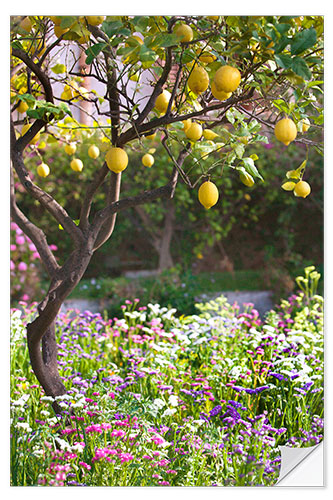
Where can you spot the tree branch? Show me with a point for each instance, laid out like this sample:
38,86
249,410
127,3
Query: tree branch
36,235
46,200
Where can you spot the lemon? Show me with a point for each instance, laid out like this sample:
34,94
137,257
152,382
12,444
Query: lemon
95,20
194,132
22,107
151,137
70,149
208,194
220,95
147,160
198,80
246,179
288,186
93,152
205,57
116,159
76,165
26,24
186,123
227,78
185,33
161,103
25,129
305,125
209,134
302,189
43,170
285,131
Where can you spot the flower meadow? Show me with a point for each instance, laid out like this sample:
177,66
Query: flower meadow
158,399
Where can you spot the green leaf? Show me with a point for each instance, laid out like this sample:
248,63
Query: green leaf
281,105
251,168
303,40
93,51
281,44
283,60
282,28
59,68
67,21
163,40
239,150
230,116
111,28
300,67
146,54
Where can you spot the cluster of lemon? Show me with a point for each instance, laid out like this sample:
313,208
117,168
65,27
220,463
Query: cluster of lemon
286,131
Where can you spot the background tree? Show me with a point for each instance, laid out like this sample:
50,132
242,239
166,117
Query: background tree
237,75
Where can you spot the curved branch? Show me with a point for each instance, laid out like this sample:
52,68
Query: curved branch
46,200
36,235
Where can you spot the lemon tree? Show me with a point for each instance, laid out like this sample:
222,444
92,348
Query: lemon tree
179,77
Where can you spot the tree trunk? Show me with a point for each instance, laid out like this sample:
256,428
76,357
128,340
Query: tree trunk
165,259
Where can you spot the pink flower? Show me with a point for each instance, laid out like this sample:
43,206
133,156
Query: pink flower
12,265
32,247
20,240
22,266
13,248
125,457
53,247
35,255
25,297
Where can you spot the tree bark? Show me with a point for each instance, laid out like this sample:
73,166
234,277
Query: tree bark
165,259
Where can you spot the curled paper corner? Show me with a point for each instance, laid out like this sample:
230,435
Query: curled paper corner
295,466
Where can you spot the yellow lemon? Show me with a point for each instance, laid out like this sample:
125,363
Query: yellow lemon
151,137
302,189
161,103
43,170
26,24
198,80
205,56
93,152
185,33
227,78
246,179
95,20
305,125
22,107
70,149
209,134
208,194
76,165
285,131
220,95
186,123
25,129
116,159
194,132
147,160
